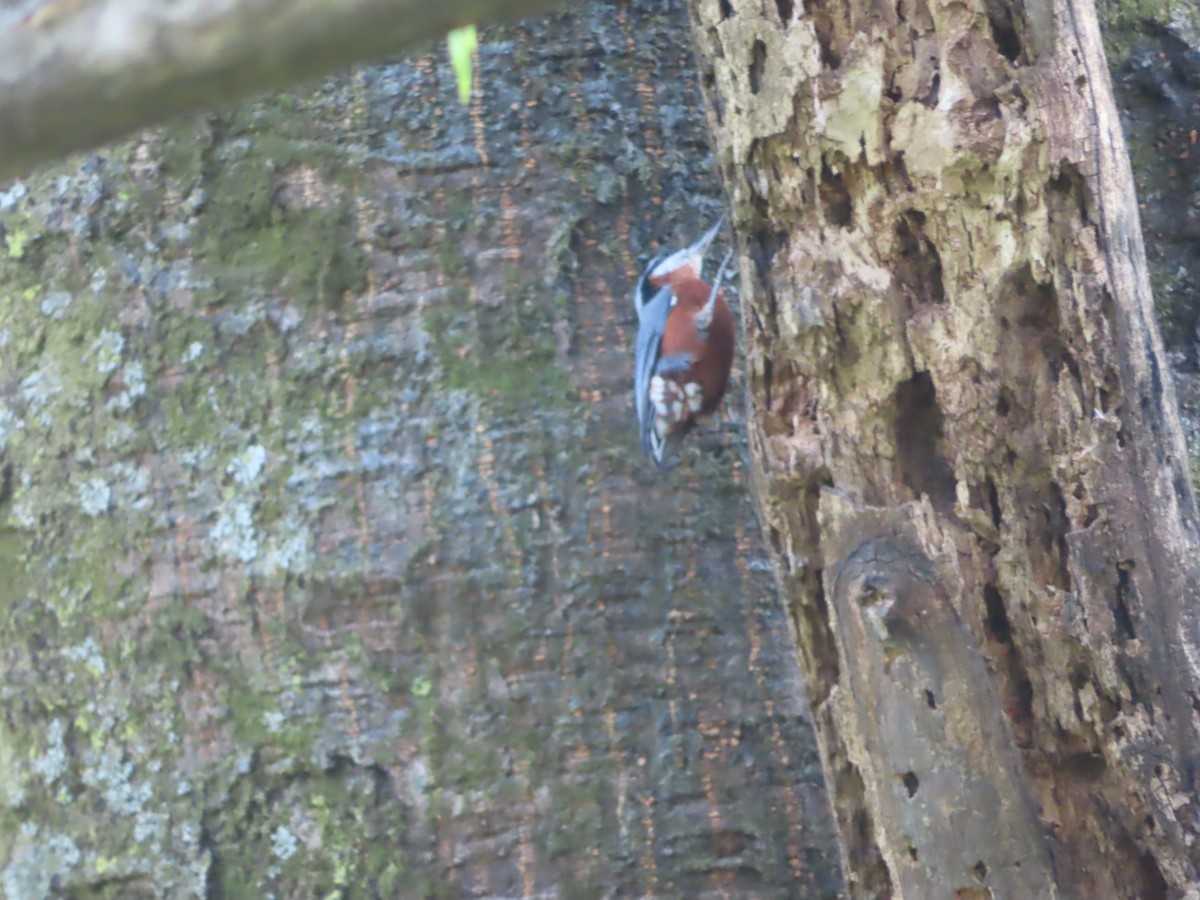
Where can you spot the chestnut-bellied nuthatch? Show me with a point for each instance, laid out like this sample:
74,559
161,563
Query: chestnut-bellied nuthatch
685,345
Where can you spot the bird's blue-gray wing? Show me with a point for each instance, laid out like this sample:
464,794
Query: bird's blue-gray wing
643,291
652,321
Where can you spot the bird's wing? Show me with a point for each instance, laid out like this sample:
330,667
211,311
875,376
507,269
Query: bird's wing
651,324
674,364
643,291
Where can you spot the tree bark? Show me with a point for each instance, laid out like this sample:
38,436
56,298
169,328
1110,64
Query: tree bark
967,454
330,563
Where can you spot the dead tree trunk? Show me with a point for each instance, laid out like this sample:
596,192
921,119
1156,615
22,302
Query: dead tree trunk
968,457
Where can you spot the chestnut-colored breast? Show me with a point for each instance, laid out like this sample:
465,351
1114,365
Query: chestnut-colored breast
712,357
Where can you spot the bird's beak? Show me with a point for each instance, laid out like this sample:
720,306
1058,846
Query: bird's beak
689,257
695,253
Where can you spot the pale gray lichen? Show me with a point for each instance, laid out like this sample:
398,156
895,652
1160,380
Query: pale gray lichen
284,844
55,304
273,720
135,387
36,863
88,653
94,496
177,232
148,824
247,465
289,548
10,198
193,352
135,379
119,434
133,484
234,534
9,425
107,348
40,387
12,770
105,771
195,457
52,764
22,512
240,321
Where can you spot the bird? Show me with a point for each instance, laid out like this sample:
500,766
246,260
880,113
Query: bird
684,348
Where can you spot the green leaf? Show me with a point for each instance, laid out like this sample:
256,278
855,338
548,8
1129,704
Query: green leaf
461,43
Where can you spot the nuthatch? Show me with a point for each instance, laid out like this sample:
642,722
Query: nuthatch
684,345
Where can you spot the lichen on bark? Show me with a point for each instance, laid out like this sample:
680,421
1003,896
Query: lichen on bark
333,566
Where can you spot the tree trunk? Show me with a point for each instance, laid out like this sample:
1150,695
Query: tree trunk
330,564
966,449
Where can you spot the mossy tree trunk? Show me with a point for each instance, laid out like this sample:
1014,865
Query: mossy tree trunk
967,454
329,564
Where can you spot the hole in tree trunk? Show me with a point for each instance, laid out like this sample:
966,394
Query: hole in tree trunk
1154,885
1053,544
758,63
1004,30
935,85
1004,403
994,502
1084,766
911,783
825,659
787,9
918,268
919,432
850,807
824,28
1122,618
1070,189
1025,700
996,623
835,199
1036,304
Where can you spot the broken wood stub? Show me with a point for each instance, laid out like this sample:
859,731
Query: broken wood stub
931,755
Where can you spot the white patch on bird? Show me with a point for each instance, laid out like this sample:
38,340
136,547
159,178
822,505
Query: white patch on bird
658,390
657,444
674,300
658,394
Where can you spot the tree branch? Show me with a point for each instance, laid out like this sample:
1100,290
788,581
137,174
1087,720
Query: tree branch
78,73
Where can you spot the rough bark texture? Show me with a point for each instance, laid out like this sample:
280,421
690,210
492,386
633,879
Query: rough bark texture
1152,51
330,567
1154,54
76,73
968,458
